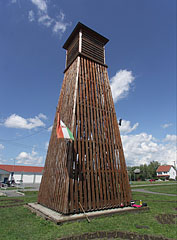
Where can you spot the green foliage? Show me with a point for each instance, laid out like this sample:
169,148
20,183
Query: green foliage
146,171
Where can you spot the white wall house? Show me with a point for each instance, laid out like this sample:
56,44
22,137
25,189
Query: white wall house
166,171
26,174
4,175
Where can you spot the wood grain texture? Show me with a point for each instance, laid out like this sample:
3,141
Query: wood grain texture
91,170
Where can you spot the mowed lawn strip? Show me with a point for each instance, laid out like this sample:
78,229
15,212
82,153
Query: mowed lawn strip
20,223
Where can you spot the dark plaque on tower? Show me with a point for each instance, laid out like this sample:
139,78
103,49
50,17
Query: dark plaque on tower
88,172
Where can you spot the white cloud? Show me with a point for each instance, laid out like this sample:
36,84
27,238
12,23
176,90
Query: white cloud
2,160
59,27
45,20
170,138
61,16
46,145
31,17
126,127
50,128
166,125
16,121
57,23
40,13
144,148
43,116
121,83
1,146
29,158
40,4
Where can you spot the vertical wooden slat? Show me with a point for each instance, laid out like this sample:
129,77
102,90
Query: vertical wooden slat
89,120
80,134
98,150
84,138
125,183
78,150
114,149
62,182
91,134
107,143
97,132
87,132
112,145
120,185
103,140
94,132
109,148
75,197
71,199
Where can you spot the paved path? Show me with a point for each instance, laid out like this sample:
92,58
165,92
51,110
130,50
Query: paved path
146,191
153,184
11,193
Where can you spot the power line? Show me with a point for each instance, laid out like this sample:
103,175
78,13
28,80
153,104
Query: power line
30,135
24,145
13,141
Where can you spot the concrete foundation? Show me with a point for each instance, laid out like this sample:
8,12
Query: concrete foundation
58,218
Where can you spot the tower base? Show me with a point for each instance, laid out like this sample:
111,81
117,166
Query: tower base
59,218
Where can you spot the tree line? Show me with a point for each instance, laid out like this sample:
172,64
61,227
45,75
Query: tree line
145,171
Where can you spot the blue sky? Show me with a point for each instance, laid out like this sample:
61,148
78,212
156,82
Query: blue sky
141,59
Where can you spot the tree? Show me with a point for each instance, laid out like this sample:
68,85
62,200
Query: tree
146,171
152,167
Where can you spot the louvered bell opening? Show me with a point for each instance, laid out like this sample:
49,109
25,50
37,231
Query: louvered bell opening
92,47
72,50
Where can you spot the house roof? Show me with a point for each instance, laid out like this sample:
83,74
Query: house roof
12,168
164,168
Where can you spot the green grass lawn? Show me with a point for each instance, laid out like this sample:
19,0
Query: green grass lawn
19,223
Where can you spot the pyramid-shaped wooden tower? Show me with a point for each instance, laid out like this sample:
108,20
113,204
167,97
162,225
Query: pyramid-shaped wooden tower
90,172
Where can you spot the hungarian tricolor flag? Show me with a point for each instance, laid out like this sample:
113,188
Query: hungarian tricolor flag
62,130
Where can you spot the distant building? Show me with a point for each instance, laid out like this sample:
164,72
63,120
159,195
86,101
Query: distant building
25,174
166,171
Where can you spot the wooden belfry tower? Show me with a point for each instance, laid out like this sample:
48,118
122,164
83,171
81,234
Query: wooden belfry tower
89,172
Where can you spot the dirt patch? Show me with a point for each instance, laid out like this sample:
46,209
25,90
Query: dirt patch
114,234
175,209
13,202
12,205
166,218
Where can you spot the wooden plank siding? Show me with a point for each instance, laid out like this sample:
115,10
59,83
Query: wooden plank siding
91,170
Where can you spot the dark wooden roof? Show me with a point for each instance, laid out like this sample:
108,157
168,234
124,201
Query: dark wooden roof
87,29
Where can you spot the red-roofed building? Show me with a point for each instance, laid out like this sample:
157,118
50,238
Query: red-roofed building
166,171
25,174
